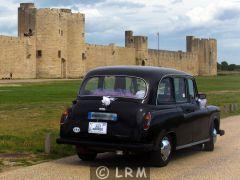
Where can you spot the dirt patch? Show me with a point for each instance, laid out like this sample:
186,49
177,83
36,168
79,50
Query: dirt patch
15,155
10,85
224,91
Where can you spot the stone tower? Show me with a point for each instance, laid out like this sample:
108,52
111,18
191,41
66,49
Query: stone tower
60,43
26,19
207,54
140,43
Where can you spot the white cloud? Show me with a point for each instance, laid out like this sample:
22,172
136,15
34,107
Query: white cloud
106,20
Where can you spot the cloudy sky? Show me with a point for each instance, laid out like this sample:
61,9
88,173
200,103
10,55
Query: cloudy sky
106,21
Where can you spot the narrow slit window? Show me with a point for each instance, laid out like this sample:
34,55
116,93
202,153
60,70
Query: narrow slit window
83,56
39,53
59,54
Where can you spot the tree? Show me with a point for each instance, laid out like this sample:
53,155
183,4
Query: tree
232,67
219,66
224,65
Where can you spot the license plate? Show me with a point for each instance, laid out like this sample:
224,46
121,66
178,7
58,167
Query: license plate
102,116
97,127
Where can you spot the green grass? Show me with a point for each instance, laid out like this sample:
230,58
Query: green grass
28,111
221,90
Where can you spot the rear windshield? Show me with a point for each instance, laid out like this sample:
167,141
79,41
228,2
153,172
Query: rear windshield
115,86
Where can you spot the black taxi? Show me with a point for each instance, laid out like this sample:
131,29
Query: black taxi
139,109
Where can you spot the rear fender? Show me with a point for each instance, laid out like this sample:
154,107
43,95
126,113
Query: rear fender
164,121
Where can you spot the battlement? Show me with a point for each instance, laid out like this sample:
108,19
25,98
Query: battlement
138,42
66,10
11,39
57,11
27,5
200,39
111,45
176,55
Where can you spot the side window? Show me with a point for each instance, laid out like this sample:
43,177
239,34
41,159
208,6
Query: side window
165,91
191,89
180,90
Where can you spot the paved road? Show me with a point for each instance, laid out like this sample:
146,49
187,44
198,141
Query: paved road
223,163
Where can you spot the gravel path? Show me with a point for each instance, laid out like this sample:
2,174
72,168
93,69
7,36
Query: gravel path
223,163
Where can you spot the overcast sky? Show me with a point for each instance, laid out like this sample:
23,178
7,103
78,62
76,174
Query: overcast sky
106,21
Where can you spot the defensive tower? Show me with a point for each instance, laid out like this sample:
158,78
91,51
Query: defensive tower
207,54
26,19
140,43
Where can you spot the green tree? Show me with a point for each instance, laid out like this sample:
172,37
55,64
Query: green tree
232,67
219,66
224,65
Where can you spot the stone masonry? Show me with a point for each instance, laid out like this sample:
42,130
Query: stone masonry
51,44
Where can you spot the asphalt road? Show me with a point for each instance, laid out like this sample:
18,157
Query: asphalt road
223,163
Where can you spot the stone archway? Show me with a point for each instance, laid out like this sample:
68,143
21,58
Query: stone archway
63,68
143,63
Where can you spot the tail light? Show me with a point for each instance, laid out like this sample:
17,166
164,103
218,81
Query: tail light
147,120
65,115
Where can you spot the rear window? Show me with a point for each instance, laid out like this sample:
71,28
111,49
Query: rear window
115,86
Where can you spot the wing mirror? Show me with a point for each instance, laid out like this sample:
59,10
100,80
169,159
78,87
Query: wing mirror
202,96
74,102
202,100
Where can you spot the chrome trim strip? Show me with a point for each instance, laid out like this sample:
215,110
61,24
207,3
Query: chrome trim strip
192,144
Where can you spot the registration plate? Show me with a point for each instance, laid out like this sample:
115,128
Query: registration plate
97,127
102,116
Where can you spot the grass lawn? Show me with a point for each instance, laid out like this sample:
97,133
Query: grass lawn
27,112
30,110
221,90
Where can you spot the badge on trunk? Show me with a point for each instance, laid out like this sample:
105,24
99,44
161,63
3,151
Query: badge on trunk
106,101
76,129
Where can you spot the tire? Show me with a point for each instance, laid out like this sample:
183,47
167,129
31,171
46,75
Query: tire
163,154
209,146
86,155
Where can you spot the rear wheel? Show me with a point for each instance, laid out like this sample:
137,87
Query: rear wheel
86,155
209,146
162,155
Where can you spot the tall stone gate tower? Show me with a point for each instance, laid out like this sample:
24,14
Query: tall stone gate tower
207,54
60,40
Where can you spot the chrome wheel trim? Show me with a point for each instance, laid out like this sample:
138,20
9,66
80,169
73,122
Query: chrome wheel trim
165,148
214,134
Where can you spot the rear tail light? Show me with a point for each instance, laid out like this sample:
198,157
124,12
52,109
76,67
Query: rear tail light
147,120
65,115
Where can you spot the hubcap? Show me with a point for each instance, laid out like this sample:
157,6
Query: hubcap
165,148
214,133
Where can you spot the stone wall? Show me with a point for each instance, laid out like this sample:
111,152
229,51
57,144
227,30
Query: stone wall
56,48
17,57
183,61
98,55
